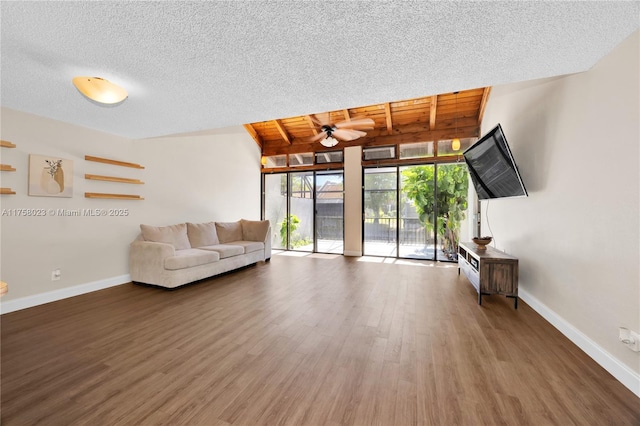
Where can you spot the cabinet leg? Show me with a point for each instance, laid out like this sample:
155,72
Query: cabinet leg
458,271
479,298
515,301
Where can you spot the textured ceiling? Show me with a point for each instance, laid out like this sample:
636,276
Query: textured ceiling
194,66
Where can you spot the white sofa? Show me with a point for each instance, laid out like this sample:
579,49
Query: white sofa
170,256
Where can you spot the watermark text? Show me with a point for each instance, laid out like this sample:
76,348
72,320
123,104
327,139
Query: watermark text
64,212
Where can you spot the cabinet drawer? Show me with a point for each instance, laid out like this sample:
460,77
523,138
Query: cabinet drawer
472,274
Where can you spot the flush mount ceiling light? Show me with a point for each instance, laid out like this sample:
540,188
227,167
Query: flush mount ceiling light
100,90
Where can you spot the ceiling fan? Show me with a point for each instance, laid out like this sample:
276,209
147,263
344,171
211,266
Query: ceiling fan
348,130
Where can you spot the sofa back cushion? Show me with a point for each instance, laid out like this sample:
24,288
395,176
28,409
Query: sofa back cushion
229,231
202,234
176,235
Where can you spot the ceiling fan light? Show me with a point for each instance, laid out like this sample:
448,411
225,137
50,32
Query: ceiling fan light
100,90
329,142
455,144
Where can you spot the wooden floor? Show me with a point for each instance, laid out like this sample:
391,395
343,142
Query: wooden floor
301,340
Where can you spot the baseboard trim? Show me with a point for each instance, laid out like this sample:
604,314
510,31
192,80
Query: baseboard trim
617,369
63,293
352,253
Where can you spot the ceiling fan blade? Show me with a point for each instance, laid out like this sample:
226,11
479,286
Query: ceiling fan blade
355,133
362,123
347,135
321,119
317,137
343,135
315,120
354,127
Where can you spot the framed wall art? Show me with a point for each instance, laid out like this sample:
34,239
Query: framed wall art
50,176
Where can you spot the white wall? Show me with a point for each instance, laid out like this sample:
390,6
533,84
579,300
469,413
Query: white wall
576,141
187,178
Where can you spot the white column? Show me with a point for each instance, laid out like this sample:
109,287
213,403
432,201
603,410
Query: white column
353,201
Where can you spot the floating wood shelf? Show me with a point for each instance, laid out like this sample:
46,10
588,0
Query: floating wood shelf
113,179
7,168
112,196
7,144
7,191
113,162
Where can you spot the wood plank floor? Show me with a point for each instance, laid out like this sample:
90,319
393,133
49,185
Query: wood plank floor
301,340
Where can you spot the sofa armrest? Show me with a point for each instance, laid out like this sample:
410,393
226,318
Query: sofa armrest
267,245
258,230
146,260
254,230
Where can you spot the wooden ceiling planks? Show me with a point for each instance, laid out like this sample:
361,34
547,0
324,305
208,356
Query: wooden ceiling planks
429,118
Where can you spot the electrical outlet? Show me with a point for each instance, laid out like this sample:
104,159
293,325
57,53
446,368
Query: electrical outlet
55,274
630,338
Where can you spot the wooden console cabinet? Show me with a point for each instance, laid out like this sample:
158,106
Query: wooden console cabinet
490,271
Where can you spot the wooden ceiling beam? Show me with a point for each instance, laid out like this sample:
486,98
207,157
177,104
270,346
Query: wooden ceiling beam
311,124
411,161
429,135
422,136
282,130
387,113
347,116
252,132
389,162
483,103
329,166
432,112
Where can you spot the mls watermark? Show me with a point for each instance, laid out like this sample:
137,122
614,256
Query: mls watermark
64,212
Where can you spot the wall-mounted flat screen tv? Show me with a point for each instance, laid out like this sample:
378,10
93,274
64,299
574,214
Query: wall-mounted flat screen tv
492,168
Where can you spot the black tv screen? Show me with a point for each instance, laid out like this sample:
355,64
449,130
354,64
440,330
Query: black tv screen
492,168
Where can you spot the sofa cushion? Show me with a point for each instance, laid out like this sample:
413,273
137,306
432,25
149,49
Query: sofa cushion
190,258
176,235
249,246
225,250
202,234
254,230
229,231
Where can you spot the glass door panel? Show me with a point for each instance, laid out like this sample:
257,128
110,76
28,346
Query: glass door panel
380,211
416,234
300,223
330,212
452,190
275,208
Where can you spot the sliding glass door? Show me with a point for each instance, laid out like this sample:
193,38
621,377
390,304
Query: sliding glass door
301,191
306,210
415,211
452,191
275,198
330,212
417,238
381,211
